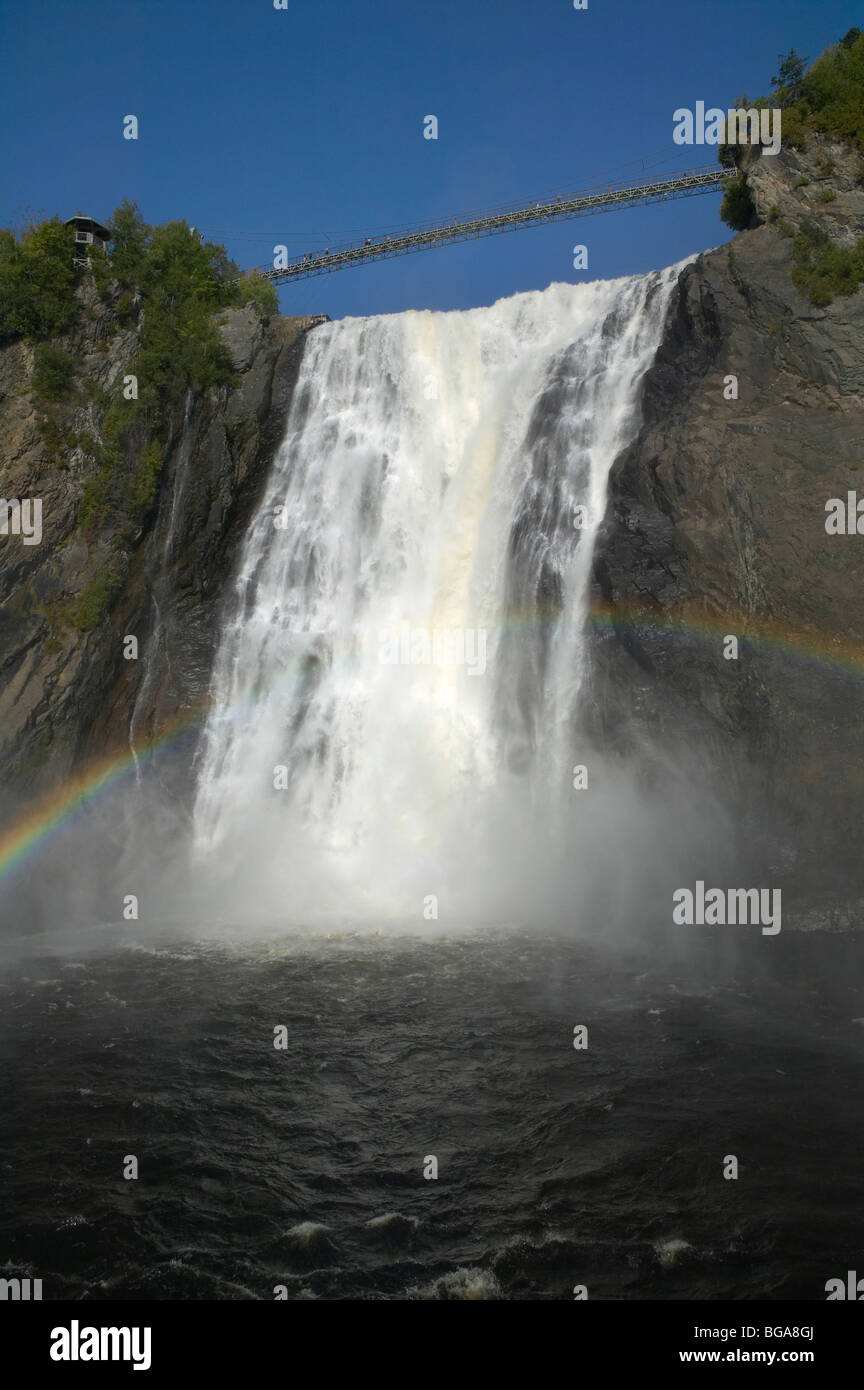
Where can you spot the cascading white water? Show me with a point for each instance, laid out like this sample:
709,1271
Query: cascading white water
406,638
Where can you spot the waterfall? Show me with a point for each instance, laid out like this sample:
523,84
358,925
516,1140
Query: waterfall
393,700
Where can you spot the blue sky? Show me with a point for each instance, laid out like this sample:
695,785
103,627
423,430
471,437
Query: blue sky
305,125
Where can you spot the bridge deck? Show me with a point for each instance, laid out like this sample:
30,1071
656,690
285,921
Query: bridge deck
666,188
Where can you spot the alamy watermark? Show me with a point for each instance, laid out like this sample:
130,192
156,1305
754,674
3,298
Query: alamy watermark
405,645
20,1290
728,906
851,1289
845,518
737,126
77,1343
21,518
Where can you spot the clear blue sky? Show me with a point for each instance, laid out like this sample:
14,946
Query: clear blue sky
304,125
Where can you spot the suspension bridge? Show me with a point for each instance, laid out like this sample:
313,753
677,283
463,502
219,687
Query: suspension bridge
667,188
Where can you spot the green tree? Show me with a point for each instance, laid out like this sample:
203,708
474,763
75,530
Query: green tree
37,281
184,280
130,237
788,83
834,92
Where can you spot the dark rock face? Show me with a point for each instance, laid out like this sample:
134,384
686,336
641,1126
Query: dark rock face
217,467
715,526
67,697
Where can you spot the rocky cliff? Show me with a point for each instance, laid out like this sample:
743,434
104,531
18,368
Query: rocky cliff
715,528
67,692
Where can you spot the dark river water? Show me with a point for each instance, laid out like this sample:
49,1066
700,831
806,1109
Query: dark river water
303,1166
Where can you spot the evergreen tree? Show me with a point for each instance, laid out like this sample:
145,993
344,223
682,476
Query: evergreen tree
788,84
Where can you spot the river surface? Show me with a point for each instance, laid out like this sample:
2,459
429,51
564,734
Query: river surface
303,1166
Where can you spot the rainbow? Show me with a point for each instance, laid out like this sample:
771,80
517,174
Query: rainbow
48,817
844,657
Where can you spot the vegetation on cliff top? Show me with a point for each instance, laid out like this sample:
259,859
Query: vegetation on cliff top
827,98
168,271
168,285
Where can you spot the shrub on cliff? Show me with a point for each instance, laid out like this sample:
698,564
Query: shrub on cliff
821,268
256,289
142,486
736,209
97,598
53,372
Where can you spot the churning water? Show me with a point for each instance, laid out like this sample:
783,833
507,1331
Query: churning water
304,1167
